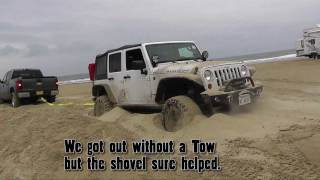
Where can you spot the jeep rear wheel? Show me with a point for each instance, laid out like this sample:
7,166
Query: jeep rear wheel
101,105
177,112
15,101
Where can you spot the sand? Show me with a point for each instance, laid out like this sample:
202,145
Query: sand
278,139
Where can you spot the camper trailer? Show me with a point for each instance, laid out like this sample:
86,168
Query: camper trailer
309,45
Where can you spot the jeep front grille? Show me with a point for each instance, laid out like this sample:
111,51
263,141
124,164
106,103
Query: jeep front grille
226,74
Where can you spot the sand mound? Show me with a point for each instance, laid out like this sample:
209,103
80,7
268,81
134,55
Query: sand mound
114,115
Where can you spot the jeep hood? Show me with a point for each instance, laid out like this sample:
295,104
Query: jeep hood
187,66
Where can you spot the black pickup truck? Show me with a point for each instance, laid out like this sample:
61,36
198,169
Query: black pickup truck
27,84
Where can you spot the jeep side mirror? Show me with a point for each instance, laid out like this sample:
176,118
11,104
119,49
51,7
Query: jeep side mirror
154,64
144,71
205,55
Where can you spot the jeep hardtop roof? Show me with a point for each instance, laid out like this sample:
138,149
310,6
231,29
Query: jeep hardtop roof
118,49
137,45
312,30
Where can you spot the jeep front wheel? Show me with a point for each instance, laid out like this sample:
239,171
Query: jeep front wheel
101,105
177,112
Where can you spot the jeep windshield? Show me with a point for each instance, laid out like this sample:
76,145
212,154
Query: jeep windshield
171,52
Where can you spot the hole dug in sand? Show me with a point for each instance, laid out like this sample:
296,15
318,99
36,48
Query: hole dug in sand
310,147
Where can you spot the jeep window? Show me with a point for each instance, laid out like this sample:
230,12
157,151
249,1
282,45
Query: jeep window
115,62
101,68
134,60
27,74
302,44
312,41
171,52
185,52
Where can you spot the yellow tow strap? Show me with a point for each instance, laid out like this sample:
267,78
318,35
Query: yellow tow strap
66,104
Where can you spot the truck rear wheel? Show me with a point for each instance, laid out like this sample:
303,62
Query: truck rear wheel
177,112
15,101
101,105
51,99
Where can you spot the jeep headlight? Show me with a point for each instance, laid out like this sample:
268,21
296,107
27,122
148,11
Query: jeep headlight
244,70
208,75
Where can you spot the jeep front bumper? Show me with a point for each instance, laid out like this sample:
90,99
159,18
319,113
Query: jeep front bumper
239,97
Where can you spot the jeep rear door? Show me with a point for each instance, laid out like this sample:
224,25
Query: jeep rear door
115,76
136,83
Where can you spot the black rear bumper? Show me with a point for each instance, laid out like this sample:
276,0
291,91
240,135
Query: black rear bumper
34,94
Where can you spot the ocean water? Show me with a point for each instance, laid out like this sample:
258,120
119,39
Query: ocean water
74,77
258,55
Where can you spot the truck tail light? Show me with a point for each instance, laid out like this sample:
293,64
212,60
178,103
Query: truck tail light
19,86
92,68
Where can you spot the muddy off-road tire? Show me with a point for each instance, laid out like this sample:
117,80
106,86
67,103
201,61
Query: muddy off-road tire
177,112
102,105
315,56
15,101
1,101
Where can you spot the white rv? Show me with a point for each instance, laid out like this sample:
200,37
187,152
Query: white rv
310,44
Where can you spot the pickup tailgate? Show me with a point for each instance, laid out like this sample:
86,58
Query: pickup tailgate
39,84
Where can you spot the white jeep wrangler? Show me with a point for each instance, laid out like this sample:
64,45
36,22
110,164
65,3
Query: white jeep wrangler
172,76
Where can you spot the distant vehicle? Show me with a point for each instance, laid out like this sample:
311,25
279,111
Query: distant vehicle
172,76
27,84
309,45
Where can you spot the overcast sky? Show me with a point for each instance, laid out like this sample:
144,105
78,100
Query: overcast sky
63,36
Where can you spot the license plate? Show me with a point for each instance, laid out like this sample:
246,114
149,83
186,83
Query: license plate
39,93
244,99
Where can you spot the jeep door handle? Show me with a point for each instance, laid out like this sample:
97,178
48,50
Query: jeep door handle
111,78
127,77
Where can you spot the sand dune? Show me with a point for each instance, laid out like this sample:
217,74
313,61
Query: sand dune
278,138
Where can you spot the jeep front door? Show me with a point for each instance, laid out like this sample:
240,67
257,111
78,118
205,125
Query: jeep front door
136,81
